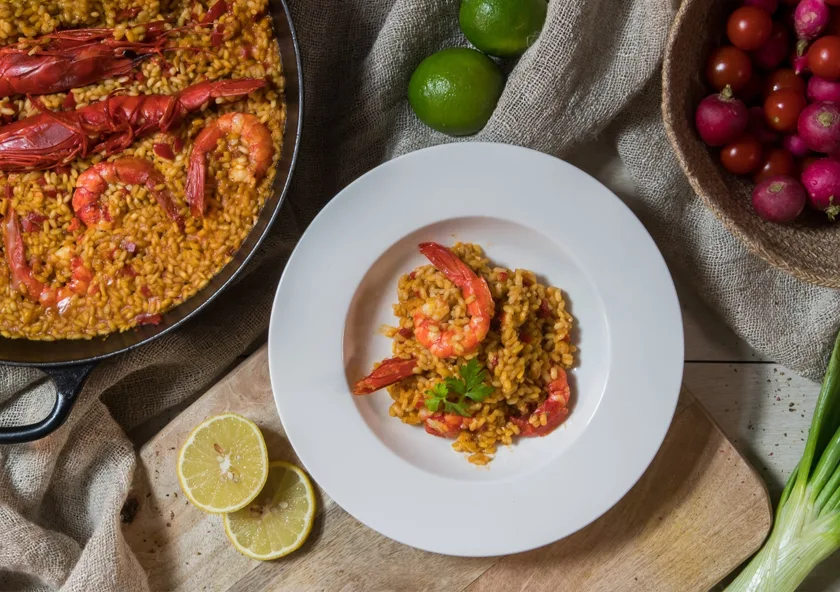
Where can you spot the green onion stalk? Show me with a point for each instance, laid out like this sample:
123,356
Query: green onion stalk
807,525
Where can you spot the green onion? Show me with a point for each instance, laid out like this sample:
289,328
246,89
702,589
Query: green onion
807,526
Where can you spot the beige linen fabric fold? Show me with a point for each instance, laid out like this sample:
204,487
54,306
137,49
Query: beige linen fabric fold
595,70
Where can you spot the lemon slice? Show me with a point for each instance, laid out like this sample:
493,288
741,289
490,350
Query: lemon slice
278,521
223,464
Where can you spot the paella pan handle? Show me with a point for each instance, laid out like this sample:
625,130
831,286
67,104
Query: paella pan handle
69,381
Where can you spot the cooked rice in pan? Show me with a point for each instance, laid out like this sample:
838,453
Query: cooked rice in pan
141,264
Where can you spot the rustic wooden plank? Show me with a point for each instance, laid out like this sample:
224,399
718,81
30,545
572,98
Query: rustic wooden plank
688,493
764,409
697,498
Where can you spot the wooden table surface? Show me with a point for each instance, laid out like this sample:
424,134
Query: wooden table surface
764,408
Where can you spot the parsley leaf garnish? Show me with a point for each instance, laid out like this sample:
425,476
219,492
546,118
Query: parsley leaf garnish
460,408
474,378
436,396
453,393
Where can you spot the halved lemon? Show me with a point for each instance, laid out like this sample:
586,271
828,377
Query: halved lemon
279,520
223,464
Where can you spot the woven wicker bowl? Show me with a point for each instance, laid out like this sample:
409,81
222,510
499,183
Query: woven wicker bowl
810,248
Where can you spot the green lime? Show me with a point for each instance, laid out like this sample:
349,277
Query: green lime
503,28
455,90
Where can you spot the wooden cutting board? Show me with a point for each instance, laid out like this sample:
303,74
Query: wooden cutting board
696,514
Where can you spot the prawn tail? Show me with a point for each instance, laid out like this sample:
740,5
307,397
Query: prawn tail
455,270
387,373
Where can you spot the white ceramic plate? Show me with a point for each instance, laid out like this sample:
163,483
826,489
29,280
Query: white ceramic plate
527,210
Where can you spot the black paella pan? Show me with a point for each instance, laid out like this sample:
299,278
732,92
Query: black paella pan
69,362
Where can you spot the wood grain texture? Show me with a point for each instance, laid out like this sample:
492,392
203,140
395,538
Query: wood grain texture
695,515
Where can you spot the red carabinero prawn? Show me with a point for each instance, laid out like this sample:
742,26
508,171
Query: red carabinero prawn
69,59
51,139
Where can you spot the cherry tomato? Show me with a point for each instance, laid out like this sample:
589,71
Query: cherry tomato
782,109
776,161
741,156
783,79
729,65
824,57
749,27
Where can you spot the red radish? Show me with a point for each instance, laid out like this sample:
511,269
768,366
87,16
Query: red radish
819,127
820,89
758,126
779,199
774,50
721,118
810,18
768,5
804,164
796,146
822,182
799,60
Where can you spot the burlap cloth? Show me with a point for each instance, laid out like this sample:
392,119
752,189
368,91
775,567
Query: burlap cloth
593,72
